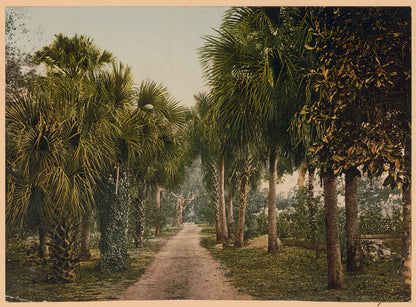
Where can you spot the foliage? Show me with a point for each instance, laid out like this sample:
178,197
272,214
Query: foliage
24,279
379,207
302,276
295,220
18,64
362,86
72,56
193,184
379,213
256,217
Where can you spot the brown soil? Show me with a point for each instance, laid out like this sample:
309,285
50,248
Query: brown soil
184,270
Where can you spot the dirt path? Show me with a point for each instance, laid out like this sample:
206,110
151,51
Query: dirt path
184,270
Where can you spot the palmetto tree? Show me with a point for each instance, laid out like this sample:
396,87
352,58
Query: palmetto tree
73,56
209,148
249,65
168,121
53,155
81,127
114,89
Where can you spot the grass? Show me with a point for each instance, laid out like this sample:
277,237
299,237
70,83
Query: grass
23,282
295,273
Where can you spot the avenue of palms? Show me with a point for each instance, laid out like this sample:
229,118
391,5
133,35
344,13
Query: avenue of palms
325,91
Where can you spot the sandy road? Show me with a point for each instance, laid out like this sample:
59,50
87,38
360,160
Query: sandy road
184,270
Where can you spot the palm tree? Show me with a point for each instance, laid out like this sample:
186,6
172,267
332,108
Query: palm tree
250,66
115,91
53,158
73,56
169,122
208,144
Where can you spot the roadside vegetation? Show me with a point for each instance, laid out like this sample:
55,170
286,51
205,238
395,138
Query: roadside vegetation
297,273
25,273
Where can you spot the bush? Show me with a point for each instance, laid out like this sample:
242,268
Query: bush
256,217
297,221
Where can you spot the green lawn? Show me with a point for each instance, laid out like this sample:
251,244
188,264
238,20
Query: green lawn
294,273
24,275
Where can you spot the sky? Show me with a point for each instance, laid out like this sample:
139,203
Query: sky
159,43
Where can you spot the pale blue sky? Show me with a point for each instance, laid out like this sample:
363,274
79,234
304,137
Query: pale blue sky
159,43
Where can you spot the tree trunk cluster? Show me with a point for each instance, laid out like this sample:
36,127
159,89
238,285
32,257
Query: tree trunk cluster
246,171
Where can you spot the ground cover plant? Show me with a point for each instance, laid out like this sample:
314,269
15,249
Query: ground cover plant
297,273
24,274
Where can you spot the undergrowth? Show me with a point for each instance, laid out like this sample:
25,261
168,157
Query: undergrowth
297,273
24,275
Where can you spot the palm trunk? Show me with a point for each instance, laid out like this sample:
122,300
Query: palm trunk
64,257
353,235
221,204
214,200
302,173
85,236
230,217
139,222
114,220
272,220
407,223
333,250
312,206
138,192
218,236
43,251
157,223
244,180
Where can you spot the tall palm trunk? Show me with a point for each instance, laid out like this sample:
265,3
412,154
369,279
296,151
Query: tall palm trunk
230,217
64,255
407,223
221,204
244,180
138,222
214,199
353,235
272,220
85,236
114,219
138,192
157,207
43,250
302,173
312,205
333,250
218,237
